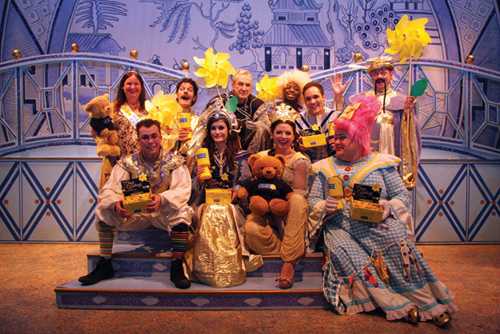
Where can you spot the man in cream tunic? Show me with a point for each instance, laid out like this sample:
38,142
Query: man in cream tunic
170,184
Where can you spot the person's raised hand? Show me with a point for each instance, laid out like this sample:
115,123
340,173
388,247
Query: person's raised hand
337,86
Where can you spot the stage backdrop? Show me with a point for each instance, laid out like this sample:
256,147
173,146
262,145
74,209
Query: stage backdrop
262,36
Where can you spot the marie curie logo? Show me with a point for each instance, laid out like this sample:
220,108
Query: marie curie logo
267,186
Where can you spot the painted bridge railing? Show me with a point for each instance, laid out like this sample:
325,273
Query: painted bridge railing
459,111
42,97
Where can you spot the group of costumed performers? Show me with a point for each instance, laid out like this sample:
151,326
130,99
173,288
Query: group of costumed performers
368,265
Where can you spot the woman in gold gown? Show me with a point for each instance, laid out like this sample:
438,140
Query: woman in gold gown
217,255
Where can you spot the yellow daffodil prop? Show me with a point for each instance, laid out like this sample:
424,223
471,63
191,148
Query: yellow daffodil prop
268,89
409,39
215,68
164,109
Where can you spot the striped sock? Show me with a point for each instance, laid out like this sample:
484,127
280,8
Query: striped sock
106,237
179,237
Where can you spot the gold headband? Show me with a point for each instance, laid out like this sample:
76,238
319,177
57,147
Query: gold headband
283,112
379,62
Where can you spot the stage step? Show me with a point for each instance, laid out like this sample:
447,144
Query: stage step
142,261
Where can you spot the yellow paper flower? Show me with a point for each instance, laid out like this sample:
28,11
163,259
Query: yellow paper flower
214,68
376,187
408,38
164,109
143,177
315,127
224,177
268,89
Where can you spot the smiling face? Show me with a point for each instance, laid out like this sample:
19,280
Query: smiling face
315,101
218,131
242,86
283,136
150,142
132,88
291,92
346,149
380,78
185,95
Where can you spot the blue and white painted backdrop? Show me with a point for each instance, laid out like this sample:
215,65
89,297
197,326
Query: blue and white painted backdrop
264,37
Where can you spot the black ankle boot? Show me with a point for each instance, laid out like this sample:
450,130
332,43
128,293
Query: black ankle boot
177,275
102,271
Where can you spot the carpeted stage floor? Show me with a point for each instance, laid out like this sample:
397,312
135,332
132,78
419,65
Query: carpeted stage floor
30,272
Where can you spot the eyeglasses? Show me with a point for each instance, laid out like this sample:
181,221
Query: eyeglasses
153,137
340,137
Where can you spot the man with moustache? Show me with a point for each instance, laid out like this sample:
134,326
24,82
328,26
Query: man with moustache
168,210
251,114
387,131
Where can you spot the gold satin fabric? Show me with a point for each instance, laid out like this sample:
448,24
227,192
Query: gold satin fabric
263,236
384,118
409,145
214,255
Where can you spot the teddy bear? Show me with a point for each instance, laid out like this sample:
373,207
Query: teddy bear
268,192
99,110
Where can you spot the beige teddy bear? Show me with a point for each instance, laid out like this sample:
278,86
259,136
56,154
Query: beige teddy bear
99,110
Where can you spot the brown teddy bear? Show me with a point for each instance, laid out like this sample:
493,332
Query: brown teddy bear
99,110
268,192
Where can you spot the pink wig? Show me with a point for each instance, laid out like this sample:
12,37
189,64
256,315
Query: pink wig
359,127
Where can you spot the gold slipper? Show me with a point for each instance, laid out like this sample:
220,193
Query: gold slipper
442,319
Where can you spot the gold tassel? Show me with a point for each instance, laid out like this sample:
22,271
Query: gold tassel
409,146
381,268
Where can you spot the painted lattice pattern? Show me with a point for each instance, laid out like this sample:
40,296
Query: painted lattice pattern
51,208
